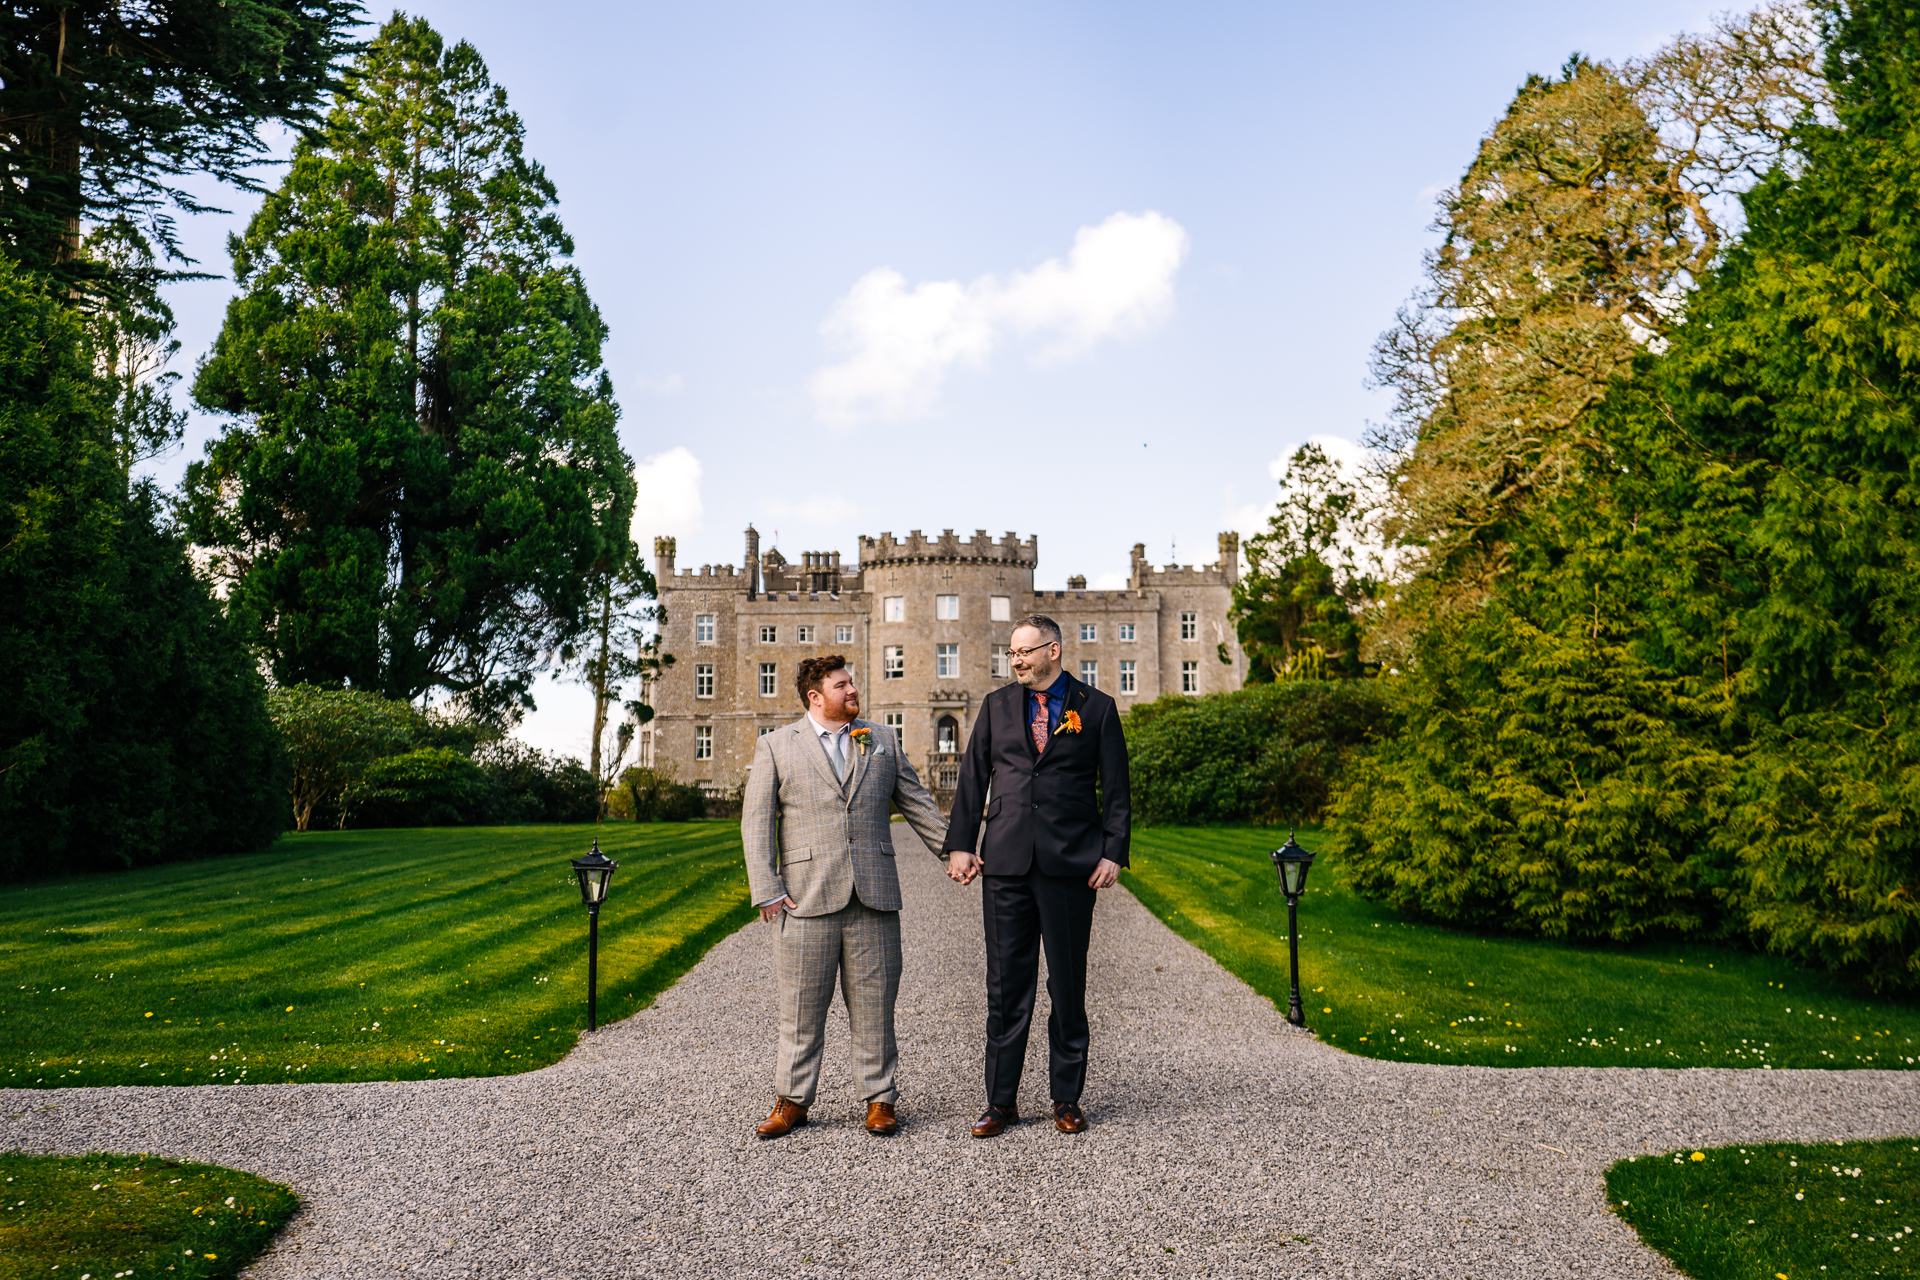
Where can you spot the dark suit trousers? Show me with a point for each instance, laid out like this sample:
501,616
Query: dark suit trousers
1023,913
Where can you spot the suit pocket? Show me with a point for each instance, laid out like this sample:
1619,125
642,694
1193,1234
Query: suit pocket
993,808
790,856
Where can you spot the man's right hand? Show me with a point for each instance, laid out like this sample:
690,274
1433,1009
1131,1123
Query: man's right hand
773,909
962,866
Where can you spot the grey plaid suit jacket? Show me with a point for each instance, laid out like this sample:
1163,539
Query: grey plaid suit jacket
817,841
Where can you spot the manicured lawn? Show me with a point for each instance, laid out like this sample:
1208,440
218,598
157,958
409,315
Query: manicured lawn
1384,988
103,1216
352,955
1832,1210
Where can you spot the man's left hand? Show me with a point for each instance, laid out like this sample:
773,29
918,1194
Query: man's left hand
1104,876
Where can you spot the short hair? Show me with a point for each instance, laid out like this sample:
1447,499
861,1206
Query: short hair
1042,623
813,673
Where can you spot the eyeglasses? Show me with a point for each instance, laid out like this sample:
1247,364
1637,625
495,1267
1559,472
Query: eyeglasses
1021,653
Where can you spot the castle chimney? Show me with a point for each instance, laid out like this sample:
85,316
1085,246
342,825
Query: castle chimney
752,565
1078,582
1141,568
663,549
1230,558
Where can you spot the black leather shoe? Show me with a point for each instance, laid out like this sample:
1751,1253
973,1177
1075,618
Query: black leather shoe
1067,1118
994,1121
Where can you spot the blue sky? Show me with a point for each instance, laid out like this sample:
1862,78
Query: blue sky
735,175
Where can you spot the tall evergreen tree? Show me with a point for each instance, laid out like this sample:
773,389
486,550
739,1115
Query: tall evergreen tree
424,472
133,727
106,108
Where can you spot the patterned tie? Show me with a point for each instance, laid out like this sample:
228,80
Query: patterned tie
1040,722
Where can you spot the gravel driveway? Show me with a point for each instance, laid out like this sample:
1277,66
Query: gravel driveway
1222,1140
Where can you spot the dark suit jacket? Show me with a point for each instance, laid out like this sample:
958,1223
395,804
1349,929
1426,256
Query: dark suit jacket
1043,810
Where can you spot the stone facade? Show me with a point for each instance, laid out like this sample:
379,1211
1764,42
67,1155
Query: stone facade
923,622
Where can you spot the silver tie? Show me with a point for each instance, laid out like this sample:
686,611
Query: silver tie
839,757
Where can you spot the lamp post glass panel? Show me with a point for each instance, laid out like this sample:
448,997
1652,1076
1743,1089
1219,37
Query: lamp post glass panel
1290,863
595,873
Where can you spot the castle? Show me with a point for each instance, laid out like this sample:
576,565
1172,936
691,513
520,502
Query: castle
924,623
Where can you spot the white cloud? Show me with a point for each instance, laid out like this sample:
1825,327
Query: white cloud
901,343
668,502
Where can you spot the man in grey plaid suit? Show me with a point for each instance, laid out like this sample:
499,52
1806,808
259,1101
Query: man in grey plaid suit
820,865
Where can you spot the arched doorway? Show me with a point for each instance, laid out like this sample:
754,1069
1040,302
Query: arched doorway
947,735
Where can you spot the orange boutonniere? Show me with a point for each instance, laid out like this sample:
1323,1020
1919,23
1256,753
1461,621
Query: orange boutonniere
1069,723
860,737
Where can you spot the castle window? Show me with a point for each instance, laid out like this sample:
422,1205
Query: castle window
1129,678
703,629
946,660
769,679
894,663
1090,674
843,634
997,661
1189,626
803,635
1126,632
947,734
1089,631
766,729
1000,608
769,634
1189,677
896,721
703,742
946,608
703,680
895,609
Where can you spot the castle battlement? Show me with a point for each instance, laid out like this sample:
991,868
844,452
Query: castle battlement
917,548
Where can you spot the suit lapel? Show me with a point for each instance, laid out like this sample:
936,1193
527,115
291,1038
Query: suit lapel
1024,725
859,758
809,742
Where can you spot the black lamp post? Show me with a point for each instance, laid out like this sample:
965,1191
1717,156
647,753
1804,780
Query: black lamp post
595,873
1290,863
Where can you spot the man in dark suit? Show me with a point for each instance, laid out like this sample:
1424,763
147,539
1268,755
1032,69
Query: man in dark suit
1049,749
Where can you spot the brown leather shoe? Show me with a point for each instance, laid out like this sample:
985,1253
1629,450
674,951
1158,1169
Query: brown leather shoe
1067,1118
787,1116
994,1121
880,1120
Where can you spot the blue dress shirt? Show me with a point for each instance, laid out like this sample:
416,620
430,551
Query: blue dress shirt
1056,696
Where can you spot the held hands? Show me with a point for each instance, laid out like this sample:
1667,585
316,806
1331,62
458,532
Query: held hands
773,909
962,866
1104,876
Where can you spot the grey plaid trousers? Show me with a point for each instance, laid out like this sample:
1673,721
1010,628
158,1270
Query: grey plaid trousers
861,947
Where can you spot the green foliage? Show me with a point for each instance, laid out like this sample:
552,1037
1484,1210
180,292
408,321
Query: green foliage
651,795
1271,753
622,645
134,1215
333,736
426,787
425,471
1548,782
1840,1209
405,955
1693,702
105,108
525,785
1293,607
132,727
1378,985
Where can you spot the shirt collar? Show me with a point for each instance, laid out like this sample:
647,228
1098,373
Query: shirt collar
825,731
1058,689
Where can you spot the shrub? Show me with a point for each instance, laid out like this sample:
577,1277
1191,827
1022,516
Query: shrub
429,787
1271,753
526,785
651,795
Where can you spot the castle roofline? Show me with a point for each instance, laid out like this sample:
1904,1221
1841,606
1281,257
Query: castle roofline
917,548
